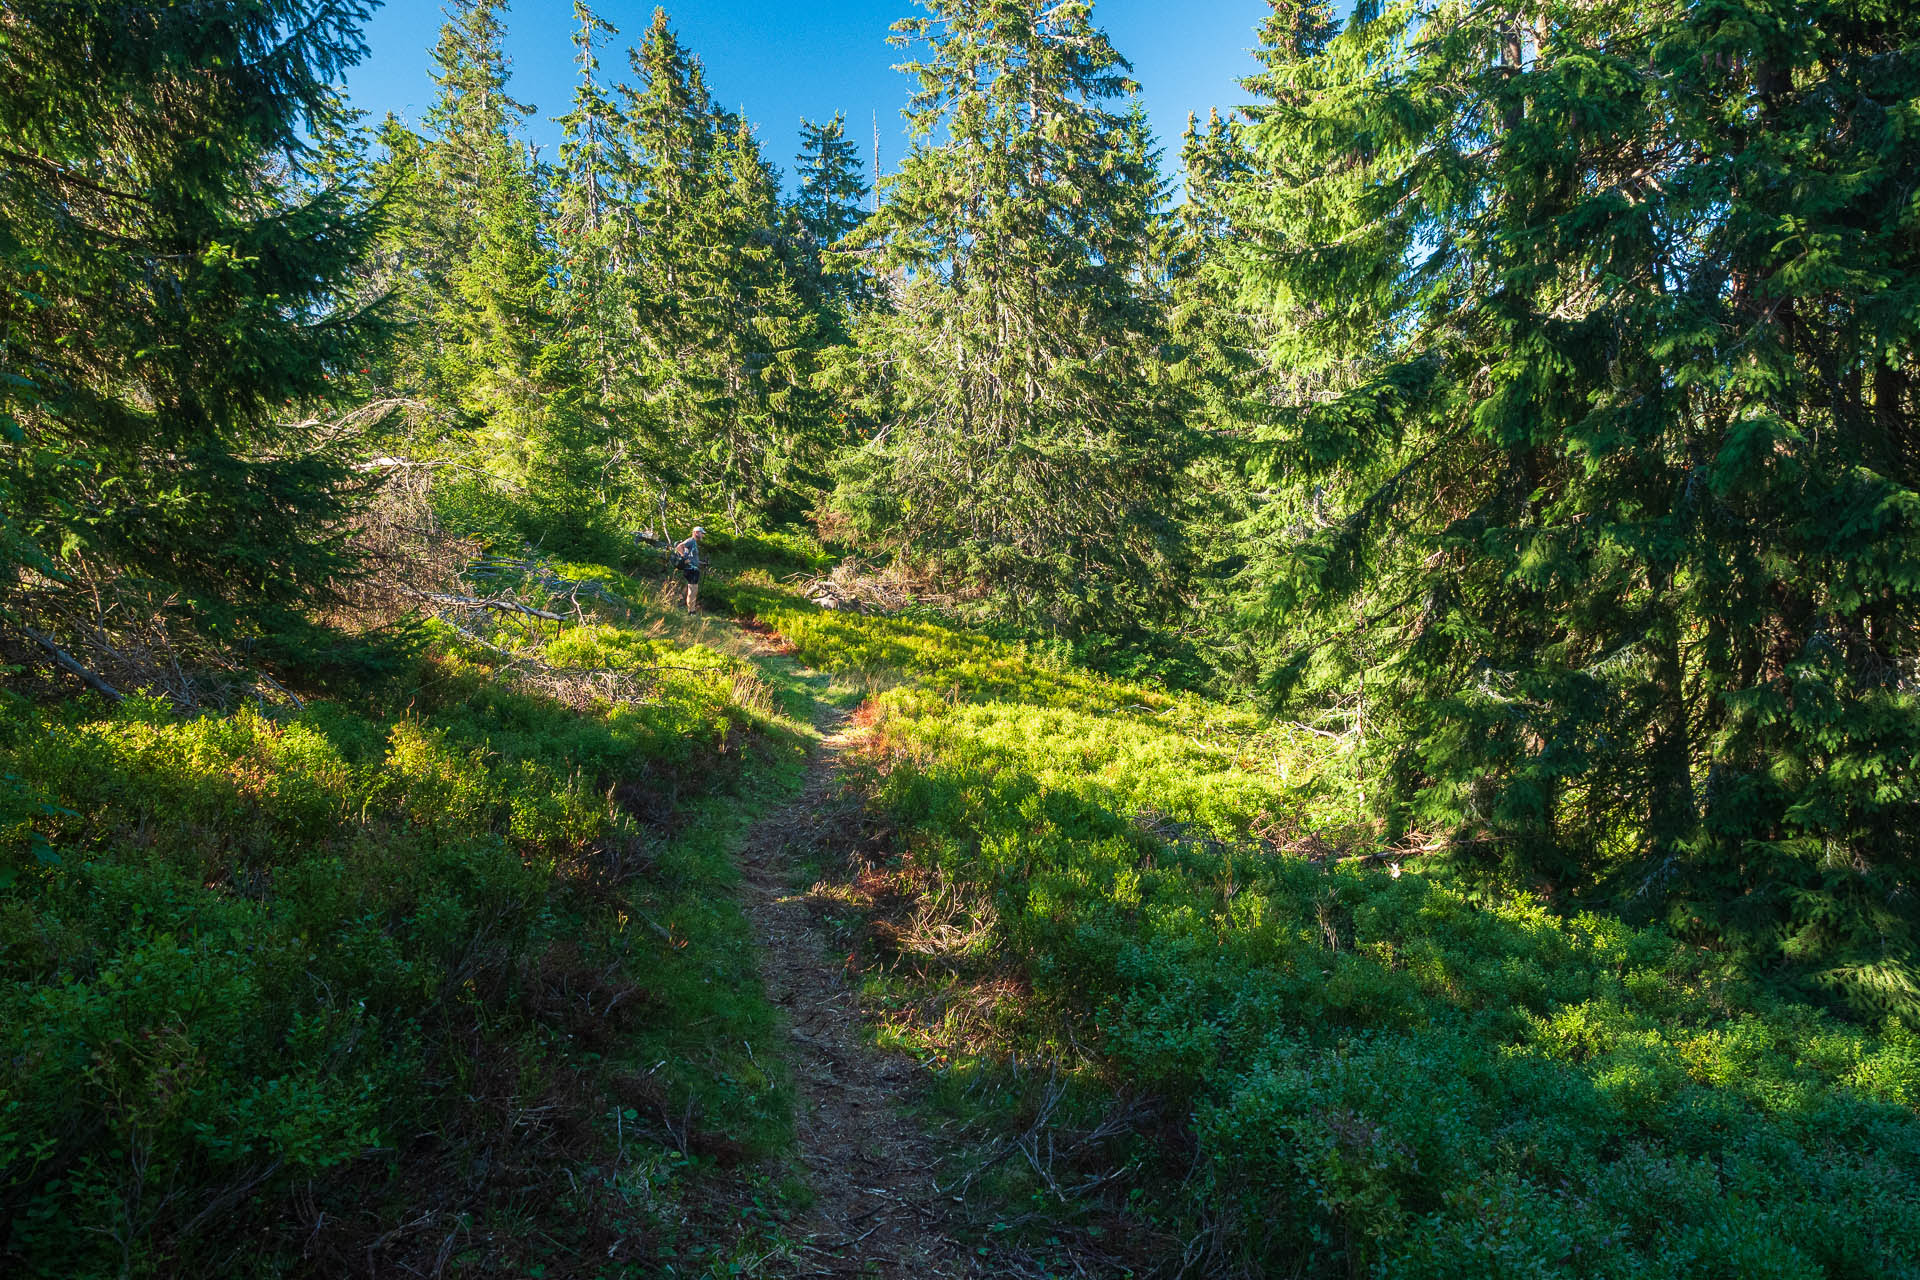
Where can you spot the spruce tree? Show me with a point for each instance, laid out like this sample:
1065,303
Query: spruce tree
590,153
501,307
472,111
176,304
484,213
832,192
1214,336
670,122
589,212
830,205
591,458
724,327
1613,466
667,136
1214,357
1027,444
436,187
413,257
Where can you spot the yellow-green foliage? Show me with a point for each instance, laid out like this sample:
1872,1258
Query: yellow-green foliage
1384,1074
245,954
1165,746
939,659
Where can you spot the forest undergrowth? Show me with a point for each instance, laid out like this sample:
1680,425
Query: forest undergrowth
1390,641
445,976
1188,1033
451,975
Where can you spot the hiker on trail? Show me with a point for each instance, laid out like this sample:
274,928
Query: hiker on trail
687,557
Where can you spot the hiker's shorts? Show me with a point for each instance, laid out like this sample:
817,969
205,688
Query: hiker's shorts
692,576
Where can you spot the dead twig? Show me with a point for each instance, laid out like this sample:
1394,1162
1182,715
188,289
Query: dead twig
499,605
291,696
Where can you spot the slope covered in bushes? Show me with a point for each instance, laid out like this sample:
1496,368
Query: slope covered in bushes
1374,1070
391,979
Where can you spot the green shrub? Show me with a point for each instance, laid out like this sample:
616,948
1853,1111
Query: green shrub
241,955
1384,1074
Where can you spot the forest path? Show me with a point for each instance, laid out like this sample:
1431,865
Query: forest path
870,1166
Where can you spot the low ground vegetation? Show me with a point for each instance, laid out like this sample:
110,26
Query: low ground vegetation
443,975
1100,904
448,972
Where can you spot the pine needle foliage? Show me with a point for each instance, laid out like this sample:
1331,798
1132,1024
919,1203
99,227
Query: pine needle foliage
1028,445
1614,474
175,296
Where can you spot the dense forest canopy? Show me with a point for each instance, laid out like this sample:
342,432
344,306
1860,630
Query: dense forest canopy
1523,399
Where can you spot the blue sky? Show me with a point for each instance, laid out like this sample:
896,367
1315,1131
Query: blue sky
784,59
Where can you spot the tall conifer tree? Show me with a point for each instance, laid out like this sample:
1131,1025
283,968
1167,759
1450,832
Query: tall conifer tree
833,191
594,453
414,259
173,300
439,186
491,316
589,214
1027,443
1620,472
473,110
1214,357
722,320
830,205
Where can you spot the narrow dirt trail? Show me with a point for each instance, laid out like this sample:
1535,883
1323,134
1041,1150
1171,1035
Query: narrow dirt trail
877,1211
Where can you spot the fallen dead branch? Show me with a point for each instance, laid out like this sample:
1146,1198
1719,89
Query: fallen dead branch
1050,1149
405,554
503,622
116,636
1351,843
543,574
291,696
862,588
70,664
501,605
